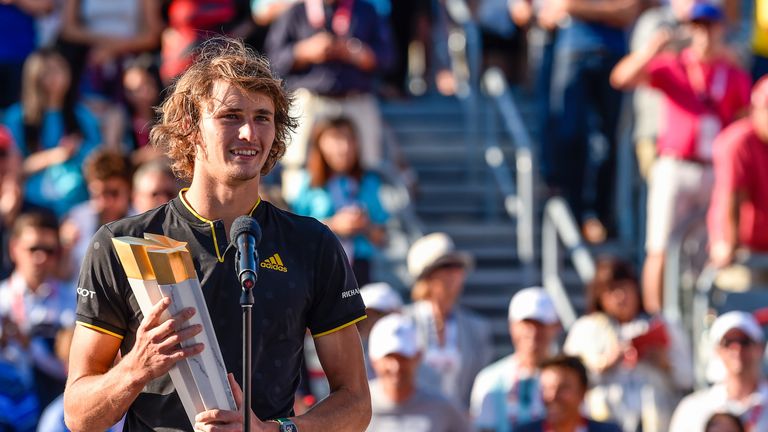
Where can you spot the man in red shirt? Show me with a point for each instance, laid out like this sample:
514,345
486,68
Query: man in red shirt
738,213
704,91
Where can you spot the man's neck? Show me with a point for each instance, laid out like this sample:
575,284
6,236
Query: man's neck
741,388
32,283
526,362
570,424
397,394
215,201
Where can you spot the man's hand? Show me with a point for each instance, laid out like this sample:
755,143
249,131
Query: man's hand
521,13
157,346
231,421
349,221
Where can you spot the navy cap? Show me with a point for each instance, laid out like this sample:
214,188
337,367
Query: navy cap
705,12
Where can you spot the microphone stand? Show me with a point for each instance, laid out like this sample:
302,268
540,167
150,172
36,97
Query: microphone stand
247,282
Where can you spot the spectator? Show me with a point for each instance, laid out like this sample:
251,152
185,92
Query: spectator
739,209
19,407
192,22
153,184
724,422
380,300
648,102
330,51
17,30
54,133
10,195
109,182
456,343
105,35
704,92
627,351
398,402
738,342
35,301
506,393
564,383
141,88
583,105
338,191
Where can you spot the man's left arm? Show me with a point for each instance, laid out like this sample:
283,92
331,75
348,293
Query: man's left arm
348,407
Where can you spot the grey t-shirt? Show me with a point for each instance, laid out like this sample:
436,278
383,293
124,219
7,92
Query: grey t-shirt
423,412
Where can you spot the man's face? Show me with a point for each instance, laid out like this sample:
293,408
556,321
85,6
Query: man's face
445,285
532,338
36,253
237,130
562,393
153,189
396,370
740,354
110,198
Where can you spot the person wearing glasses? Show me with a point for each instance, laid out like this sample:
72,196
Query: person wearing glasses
34,304
738,342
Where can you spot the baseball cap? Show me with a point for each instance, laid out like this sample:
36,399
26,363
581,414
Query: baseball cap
705,12
381,296
393,334
760,93
741,320
532,304
433,251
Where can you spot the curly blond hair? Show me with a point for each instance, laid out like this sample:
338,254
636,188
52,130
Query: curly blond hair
226,59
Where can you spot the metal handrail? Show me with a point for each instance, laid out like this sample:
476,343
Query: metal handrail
672,262
519,196
468,91
559,223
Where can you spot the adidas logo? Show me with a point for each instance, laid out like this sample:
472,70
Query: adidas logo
274,263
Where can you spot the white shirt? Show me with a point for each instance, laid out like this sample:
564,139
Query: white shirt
695,409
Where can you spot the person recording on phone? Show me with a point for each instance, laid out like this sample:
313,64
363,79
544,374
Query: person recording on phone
224,125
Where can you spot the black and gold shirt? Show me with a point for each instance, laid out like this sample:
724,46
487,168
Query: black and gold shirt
305,282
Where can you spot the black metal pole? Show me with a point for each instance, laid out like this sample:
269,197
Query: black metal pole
246,302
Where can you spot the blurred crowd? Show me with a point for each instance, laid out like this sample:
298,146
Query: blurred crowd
80,80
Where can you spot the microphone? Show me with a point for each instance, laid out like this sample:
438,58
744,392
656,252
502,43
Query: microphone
246,235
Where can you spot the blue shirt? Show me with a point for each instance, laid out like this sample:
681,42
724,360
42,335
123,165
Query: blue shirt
585,36
319,203
58,187
17,31
331,78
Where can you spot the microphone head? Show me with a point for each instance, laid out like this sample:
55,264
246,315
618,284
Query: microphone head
245,225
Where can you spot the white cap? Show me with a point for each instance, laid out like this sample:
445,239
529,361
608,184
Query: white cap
381,297
433,251
393,334
741,320
533,304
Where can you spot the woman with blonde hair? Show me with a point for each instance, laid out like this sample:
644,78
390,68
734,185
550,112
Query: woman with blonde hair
54,133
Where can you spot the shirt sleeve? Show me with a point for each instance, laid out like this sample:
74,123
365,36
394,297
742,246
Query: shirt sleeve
337,302
660,74
102,288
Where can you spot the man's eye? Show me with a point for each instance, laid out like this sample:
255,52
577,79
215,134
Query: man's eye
231,116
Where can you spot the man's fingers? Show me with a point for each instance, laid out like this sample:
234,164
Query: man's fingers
163,330
180,336
237,392
154,314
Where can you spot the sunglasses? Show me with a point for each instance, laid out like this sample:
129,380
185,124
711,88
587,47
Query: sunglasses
743,342
48,250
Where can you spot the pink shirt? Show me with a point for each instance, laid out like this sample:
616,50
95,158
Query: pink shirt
741,165
726,95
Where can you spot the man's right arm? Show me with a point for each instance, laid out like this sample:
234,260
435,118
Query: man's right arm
97,394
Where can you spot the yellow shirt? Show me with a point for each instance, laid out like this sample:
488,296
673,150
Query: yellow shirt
760,38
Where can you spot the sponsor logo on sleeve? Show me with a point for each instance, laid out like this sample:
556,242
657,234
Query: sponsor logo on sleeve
350,293
88,294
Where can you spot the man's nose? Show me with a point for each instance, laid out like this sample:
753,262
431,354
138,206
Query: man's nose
247,131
